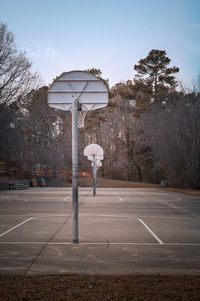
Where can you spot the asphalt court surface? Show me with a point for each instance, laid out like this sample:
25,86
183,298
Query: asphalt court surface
121,231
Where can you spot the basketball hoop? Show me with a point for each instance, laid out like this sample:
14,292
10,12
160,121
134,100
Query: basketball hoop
94,152
78,91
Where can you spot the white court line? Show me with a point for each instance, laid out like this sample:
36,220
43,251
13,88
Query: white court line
170,217
97,243
66,198
152,233
13,228
71,243
121,199
52,215
105,215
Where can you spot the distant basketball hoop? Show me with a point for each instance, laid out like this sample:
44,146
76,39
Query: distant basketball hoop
94,152
79,92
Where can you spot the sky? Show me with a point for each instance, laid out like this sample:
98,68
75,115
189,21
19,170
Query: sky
111,35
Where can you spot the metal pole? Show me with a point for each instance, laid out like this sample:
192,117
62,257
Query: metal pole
97,174
75,168
94,175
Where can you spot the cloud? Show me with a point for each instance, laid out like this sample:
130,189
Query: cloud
50,52
33,53
34,50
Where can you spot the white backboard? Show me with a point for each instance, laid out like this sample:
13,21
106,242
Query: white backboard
89,89
93,150
100,158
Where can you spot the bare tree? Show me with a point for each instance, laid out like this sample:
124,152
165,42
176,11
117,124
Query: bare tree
112,128
43,128
16,79
173,135
184,125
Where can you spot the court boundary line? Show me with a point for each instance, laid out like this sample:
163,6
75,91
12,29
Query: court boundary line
97,243
103,215
65,199
152,233
119,197
18,225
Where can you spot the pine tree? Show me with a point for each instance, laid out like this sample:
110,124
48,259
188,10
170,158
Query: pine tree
154,70
98,73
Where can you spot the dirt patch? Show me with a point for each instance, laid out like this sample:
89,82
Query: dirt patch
138,287
101,288
109,183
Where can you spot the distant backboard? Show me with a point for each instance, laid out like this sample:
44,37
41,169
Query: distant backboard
98,163
89,89
93,150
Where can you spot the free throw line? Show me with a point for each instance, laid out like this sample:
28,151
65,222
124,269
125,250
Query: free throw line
152,233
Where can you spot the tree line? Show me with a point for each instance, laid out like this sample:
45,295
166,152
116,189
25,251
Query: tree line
150,130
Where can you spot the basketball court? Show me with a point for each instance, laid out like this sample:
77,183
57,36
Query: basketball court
121,231
118,231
